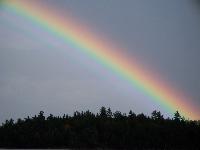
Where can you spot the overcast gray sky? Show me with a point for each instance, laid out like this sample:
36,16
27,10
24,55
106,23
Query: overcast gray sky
34,76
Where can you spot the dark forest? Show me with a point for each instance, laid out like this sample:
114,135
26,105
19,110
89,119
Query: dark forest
106,129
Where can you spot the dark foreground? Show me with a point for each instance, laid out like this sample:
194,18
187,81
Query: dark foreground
102,130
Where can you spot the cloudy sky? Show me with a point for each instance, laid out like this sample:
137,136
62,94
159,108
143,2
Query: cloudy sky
35,75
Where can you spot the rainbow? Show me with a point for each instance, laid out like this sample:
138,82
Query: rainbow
105,53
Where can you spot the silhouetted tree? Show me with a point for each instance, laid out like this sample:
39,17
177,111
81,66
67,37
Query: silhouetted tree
103,112
131,114
156,115
177,116
109,113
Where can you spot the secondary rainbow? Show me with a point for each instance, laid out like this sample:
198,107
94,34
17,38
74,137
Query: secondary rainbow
105,53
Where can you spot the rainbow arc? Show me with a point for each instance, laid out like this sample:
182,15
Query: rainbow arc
78,35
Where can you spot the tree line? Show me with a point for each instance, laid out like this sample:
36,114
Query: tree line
106,129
